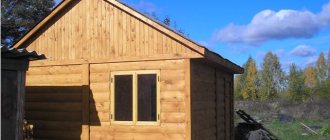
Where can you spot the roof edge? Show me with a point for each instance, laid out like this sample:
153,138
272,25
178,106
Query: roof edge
41,23
13,53
161,27
214,57
151,22
203,51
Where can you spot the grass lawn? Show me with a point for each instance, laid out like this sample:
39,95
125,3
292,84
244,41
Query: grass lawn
293,130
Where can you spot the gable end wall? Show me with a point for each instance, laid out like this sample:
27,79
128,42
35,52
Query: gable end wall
97,29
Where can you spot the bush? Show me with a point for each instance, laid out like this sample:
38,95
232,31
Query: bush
325,131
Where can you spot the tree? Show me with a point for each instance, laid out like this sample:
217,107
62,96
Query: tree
310,80
323,75
167,21
239,84
19,16
271,77
296,87
237,87
323,89
310,77
321,68
328,64
249,88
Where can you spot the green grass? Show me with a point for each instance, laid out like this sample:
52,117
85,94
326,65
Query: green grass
293,130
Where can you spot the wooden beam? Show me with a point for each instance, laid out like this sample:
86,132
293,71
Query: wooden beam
85,102
99,61
225,63
188,99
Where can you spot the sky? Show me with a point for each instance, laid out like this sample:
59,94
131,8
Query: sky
296,30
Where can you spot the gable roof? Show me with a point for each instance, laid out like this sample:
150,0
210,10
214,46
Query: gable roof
151,22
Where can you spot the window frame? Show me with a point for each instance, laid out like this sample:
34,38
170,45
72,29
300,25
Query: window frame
135,97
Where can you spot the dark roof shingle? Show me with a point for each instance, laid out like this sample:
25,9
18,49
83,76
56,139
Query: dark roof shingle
13,53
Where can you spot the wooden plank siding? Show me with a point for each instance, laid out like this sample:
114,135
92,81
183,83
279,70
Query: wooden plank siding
97,29
211,104
68,94
56,101
203,113
172,102
56,98
12,100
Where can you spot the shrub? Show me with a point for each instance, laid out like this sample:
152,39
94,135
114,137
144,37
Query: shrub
325,131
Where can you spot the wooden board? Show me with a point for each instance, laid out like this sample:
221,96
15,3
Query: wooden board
111,33
211,93
172,101
203,115
12,103
57,101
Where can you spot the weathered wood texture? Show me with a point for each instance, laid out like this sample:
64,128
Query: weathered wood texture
97,29
203,102
12,103
224,106
210,105
172,102
69,93
55,102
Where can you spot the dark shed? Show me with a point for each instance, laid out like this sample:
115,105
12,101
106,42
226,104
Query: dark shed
14,64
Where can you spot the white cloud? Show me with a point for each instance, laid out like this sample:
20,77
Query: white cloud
280,53
268,25
146,6
303,51
286,65
311,60
204,43
325,15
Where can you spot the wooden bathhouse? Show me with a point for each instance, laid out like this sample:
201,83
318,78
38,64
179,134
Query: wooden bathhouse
113,73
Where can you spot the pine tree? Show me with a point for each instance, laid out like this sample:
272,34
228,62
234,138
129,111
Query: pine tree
296,87
271,77
19,16
249,89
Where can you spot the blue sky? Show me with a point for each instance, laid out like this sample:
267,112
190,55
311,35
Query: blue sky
296,30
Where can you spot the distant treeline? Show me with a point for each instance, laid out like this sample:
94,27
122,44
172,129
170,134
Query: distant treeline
271,82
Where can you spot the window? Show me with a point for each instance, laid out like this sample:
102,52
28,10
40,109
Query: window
123,97
135,97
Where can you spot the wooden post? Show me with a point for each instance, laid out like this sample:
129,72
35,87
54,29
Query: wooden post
12,98
85,102
232,107
187,99
20,104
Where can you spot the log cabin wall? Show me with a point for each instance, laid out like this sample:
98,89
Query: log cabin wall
56,101
173,109
87,40
224,105
97,29
211,104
